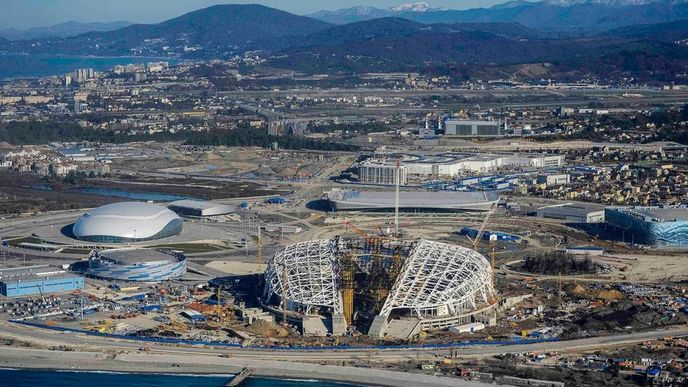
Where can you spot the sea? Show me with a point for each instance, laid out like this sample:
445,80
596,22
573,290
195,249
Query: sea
57,378
33,66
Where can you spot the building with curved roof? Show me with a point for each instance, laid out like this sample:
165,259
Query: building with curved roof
436,285
200,208
344,200
664,227
136,265
127,222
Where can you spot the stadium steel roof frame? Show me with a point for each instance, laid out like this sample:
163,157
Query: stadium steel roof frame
311,277
437,274
433,276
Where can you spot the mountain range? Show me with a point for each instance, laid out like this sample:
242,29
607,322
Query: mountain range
214,31
467,48
62,30
569,16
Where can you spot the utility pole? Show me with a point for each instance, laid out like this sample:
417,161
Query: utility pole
560,289
260,248
396,198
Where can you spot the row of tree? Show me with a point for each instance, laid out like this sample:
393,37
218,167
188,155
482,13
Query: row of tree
43,132
558,262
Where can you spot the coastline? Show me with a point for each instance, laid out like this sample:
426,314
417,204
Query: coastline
145,363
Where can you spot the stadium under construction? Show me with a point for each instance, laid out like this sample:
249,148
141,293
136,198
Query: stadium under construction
379,285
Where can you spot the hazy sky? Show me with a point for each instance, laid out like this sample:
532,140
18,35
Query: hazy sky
24,14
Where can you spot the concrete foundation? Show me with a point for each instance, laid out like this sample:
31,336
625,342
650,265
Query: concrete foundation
378,327
314,326
338,325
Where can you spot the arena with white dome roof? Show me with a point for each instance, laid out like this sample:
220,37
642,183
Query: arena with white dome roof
127,222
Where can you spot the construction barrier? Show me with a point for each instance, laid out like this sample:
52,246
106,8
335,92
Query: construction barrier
166,340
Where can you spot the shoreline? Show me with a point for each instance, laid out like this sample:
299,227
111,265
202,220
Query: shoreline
178,364
229,376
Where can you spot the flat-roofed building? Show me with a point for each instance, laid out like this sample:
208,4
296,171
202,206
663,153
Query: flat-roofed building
536,161
554,179
458,127
573,212
35,280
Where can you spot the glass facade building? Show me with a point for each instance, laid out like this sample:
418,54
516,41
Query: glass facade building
653,226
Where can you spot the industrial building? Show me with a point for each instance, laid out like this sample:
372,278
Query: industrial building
37,280
342,200
554,179
127,222
458,127
654,226
447,165
136,264
450,165
535,161
573,212
419,284
200,208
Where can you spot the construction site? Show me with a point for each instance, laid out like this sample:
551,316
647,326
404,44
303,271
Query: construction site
369,279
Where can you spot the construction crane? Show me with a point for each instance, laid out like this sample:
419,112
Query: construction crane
218,296
370,238
479,236
481,230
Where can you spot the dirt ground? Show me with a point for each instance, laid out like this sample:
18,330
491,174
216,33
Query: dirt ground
650,268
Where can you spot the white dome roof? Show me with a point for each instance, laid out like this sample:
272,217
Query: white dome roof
127,221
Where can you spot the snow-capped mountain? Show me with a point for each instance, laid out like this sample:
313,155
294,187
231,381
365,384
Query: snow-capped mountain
363,12
416,7
589,16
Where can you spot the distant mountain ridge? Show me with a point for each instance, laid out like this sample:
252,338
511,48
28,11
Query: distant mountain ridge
570,16
365,12
214,31
62,30
642,51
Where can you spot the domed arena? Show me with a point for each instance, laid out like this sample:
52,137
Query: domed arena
127,222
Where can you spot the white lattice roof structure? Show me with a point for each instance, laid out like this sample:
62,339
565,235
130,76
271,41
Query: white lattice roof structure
439,278
436,279
307,274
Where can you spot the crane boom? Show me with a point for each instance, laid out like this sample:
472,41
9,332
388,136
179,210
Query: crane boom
481,230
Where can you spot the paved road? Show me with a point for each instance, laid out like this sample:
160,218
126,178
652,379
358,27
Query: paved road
387,355
123,355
